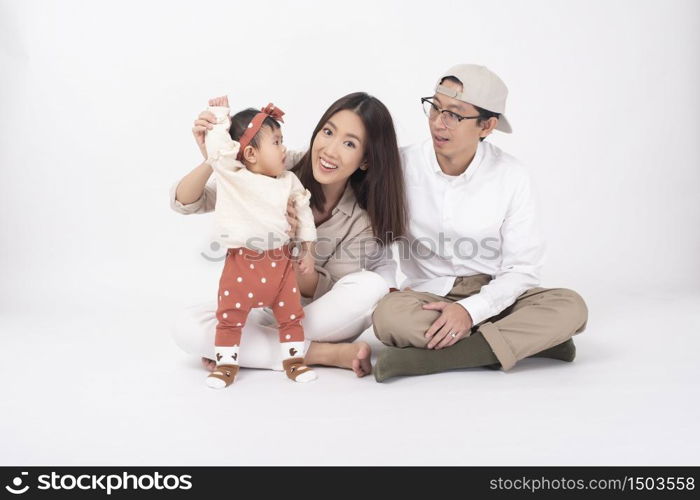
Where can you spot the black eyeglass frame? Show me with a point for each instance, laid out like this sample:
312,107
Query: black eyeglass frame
459,117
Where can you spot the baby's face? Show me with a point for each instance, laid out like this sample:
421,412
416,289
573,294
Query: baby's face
271,151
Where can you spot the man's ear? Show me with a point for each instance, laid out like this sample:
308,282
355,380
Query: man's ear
250,154
488,126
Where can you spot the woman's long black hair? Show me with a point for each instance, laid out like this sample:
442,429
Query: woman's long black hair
379,189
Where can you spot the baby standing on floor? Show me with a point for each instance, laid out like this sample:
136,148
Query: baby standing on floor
248,158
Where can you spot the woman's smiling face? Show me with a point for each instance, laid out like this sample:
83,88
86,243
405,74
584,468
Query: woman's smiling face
338,148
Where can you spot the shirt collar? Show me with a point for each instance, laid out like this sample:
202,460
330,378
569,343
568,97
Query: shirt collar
467,174
347,201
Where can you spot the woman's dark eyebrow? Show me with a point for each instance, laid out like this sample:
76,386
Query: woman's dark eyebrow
349,135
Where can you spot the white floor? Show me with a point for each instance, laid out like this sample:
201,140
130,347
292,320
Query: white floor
104,385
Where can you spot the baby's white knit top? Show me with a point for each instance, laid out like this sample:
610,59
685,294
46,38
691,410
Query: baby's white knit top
251,208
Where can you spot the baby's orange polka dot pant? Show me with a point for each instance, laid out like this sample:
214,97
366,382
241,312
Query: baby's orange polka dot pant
253,278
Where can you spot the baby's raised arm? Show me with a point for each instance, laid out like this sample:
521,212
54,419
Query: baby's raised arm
220,148
194,193
205,121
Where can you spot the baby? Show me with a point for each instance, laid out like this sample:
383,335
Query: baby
253,189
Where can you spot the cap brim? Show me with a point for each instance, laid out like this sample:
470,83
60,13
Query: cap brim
504,125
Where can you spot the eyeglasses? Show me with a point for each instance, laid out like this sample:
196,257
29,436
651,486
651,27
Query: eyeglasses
449,119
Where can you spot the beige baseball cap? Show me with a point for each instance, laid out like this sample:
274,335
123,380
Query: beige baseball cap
480,87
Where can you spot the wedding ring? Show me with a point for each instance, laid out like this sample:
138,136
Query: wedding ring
453,334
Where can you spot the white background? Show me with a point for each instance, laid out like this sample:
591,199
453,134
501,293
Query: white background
97,100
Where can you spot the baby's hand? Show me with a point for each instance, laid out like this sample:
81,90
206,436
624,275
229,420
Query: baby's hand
205,121
219,101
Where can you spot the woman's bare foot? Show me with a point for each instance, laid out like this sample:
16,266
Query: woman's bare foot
353,356
208,364
361,363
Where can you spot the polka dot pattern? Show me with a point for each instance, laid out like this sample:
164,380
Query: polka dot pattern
269,282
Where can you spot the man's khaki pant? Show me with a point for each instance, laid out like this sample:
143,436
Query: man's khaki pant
539,319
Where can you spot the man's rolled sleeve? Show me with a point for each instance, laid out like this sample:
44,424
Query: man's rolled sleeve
478,307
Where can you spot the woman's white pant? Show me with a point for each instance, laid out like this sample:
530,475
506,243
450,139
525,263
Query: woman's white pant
340,315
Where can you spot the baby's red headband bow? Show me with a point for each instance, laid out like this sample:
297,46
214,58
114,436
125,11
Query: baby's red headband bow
255,124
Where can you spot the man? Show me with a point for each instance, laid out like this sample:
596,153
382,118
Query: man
473,254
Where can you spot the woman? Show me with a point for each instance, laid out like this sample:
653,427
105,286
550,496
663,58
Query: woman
352,169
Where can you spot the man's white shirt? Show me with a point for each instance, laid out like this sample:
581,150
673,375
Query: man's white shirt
481,221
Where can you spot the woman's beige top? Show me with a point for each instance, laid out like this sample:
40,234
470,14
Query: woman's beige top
345,243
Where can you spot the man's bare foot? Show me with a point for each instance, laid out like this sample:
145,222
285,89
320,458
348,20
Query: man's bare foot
208,364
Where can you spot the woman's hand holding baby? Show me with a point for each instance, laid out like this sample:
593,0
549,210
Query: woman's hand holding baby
306,258
292,218
305,261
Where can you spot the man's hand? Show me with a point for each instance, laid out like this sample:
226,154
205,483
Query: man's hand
454,323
